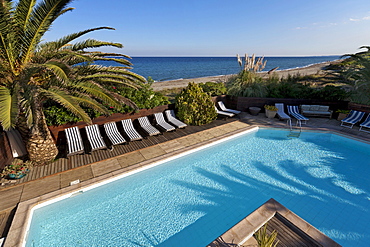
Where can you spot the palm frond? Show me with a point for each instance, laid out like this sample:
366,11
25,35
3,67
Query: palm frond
67,101
8,108
92,43
59,69
87,101
23,13
117,60
42,16
7,42
60,43
96,91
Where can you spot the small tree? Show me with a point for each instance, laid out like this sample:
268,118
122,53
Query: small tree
264,239
195,107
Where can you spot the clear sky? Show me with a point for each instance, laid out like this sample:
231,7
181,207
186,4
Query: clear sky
223,27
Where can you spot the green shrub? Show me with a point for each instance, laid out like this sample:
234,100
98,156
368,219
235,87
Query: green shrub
56,115
195,107
247,84
213,88
144,97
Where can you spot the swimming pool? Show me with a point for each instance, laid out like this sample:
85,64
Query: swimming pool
322,177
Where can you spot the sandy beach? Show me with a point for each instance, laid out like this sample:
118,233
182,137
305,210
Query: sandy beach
309,70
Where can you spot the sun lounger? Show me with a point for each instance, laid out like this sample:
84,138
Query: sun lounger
147,127
16,143
223,108
294,112
171,118
352,119
113,134
74,141
130,131
159,119
281,114
94,137
224,113
365,124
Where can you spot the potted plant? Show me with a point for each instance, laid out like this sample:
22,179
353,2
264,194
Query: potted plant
342,114
270,111
18,169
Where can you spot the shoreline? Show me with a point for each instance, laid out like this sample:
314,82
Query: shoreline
181,83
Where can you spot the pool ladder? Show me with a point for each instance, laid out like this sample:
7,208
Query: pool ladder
294,133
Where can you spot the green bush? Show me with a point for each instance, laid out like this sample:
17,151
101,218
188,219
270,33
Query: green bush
57,115
144,97
247,84
213,88
195,107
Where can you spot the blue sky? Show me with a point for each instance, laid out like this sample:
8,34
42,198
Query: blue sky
223,28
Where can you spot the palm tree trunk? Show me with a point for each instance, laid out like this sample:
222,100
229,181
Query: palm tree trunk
40,145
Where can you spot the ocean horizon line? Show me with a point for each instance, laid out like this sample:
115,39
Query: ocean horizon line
229,56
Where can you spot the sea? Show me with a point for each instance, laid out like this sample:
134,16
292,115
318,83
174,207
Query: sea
176,68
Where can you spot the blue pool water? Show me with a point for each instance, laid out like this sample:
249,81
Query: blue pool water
322,177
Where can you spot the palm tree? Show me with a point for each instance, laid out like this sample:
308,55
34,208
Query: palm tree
32,72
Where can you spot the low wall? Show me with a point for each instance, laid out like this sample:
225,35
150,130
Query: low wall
359,107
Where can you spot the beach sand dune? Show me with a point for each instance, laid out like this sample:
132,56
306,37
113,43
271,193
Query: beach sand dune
309,70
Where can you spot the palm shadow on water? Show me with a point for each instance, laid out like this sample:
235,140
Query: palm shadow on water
320,201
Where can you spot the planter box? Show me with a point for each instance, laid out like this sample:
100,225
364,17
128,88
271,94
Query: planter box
341,116
254,110
270,114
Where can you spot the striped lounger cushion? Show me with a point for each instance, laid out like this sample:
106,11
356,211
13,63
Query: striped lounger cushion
113,134
293,110
94,137
170,114
74,141
145,124
162,123
130,131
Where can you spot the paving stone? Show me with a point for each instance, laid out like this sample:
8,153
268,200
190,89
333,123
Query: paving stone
130,159
40,187
105,167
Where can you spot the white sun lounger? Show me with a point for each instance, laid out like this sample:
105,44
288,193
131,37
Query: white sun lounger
94,137
171,118
130,131
113,134
159,119
147,127
74,141
294,112
365,124
223,108
224,113
281,114
352,119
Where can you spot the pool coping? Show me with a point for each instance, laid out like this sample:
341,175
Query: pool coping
19,227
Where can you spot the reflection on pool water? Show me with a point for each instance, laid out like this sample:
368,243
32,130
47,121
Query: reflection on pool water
322,177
